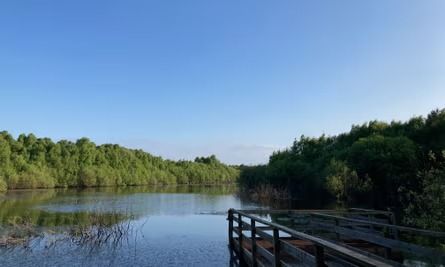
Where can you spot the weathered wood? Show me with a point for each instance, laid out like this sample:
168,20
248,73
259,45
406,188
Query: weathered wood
247,256
389,213
266,254
302,256
386,242
307,211
230,218
389,226
240,235
264,228
345,253
337,223
276,247
395,244
260,263
264,235
296,248
319,256
365,217
253,239
285,264
237,230
371,255
235,245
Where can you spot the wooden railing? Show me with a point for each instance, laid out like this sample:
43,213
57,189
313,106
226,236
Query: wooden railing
376,228
283,252
382,234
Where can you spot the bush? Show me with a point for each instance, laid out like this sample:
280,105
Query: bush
3,185
344,182
426,209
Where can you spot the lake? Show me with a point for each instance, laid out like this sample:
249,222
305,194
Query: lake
133,226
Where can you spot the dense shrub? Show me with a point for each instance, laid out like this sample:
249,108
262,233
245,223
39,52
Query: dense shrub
31,162
377,164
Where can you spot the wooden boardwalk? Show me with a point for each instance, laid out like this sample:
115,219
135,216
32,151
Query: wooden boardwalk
354,237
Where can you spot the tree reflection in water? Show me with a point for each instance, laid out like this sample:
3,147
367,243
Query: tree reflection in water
93,231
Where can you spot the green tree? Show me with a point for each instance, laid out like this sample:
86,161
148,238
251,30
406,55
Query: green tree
426,208
344,183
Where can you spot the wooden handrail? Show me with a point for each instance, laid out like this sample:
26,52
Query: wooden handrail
318,242
305,211
389,226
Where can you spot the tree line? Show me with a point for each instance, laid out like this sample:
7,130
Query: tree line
31,162
398,165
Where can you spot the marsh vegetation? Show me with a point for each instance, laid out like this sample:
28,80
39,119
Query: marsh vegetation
380,165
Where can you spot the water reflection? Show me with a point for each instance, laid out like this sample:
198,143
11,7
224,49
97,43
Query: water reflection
134,226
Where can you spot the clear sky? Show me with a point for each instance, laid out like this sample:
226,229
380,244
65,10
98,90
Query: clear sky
234,78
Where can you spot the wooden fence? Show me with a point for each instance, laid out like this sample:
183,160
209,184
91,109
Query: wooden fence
259,242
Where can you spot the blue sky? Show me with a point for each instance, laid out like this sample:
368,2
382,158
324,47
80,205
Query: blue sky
238,79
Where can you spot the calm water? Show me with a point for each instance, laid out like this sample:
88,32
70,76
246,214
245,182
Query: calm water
168,226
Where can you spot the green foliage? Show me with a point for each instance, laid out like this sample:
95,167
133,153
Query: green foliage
344,182
390,163
427,207
376,164
3,185
31,162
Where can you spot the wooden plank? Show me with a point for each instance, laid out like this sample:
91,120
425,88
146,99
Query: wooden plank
302,256
306,211
266,254
236,244
333,260
325,225
367,218
369,254
276,247
264,235
285,264
391,243
237,230
264,228
319,256
389,213
247,256
359,231
253,240
230,218
346,253
240,234
260,263
389,226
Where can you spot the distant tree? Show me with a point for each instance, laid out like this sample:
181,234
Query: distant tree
31,162
390,163
376,164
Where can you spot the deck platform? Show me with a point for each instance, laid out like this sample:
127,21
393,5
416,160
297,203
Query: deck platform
353,237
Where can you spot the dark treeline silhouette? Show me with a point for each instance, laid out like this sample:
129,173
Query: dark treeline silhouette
30,162
399,165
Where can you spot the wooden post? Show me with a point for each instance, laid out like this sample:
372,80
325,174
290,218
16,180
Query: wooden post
392,219
240,237
311,222
230,218
386,234
370,220
319,256
253,237
276,247
337,224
